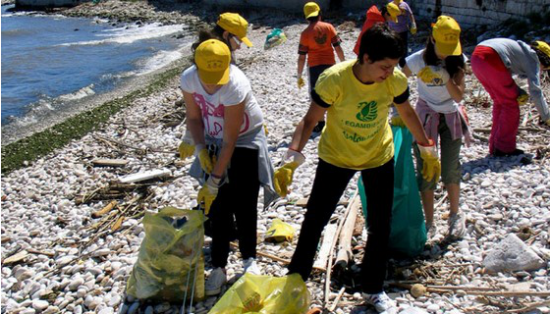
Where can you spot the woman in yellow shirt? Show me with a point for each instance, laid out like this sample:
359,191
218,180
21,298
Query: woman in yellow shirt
356,95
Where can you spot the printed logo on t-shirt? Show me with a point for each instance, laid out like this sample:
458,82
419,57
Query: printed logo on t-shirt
321,38
366,120
368,112
430,77
213,117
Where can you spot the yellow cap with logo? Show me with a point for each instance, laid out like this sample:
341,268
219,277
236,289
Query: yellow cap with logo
446,33
543,46
212,59
311,9
393,11
236,25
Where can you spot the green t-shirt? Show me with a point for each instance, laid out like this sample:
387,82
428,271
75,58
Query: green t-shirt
357,133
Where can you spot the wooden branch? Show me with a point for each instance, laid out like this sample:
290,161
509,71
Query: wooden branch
337,300
105,209
110,162
323,254
344,241
340,226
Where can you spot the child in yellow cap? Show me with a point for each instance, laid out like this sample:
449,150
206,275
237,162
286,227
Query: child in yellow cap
387,13
439,68
493,63
318,42
226,124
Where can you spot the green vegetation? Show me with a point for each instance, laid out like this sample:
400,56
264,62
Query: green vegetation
15,155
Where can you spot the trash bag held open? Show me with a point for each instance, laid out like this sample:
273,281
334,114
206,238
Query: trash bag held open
254,294
408,231
170,261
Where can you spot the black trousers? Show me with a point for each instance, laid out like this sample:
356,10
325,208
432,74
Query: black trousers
237,200
328,186
314,73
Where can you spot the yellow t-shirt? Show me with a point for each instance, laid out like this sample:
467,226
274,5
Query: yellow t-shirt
357,134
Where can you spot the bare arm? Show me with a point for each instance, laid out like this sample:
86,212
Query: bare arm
340,53
301,63
407,71
194,119
412,122
305,127
456,86
233,119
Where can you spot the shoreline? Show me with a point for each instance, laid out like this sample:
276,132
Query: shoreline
19,152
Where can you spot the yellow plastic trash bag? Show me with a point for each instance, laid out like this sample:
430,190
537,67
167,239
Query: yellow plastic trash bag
265,295
170,258
280,231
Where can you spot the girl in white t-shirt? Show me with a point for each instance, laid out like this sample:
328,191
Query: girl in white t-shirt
232,161
440,79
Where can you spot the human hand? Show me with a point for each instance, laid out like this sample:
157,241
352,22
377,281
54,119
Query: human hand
431,167
204,158
208,193
413,28
301,82
284,175
186,150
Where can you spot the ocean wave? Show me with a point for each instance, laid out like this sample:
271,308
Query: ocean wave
159,60
130,34
81,93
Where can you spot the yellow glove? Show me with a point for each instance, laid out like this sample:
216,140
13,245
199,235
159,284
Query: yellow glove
523,97
434,75
397,121
301,82
206,161
413,28
283,175
186,150
431,168
547,122
208,193
266,130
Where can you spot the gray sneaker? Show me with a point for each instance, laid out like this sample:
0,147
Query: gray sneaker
215,282
457,226
381,302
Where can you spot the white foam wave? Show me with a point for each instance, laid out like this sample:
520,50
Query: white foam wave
159,60
81,93
127,35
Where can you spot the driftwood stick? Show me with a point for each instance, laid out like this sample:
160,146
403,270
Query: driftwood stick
337,300
354,199
344,241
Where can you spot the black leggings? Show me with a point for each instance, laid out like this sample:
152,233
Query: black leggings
328,186
238,197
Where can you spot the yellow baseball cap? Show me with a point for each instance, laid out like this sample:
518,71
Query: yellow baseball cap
311,9
212,59
236,25
394,11
543,46
446,33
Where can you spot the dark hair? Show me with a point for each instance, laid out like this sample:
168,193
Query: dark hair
543,58
379,43
384,11
214,33
314,18
452,63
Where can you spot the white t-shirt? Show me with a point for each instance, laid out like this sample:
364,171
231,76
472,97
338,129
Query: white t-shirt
434,93
212,106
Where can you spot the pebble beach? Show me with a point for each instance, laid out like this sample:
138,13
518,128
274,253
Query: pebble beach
58,258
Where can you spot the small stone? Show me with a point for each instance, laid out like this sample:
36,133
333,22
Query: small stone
40,305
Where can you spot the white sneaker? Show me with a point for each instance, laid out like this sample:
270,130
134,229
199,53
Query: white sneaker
215,282
381,302
251,267
457,226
